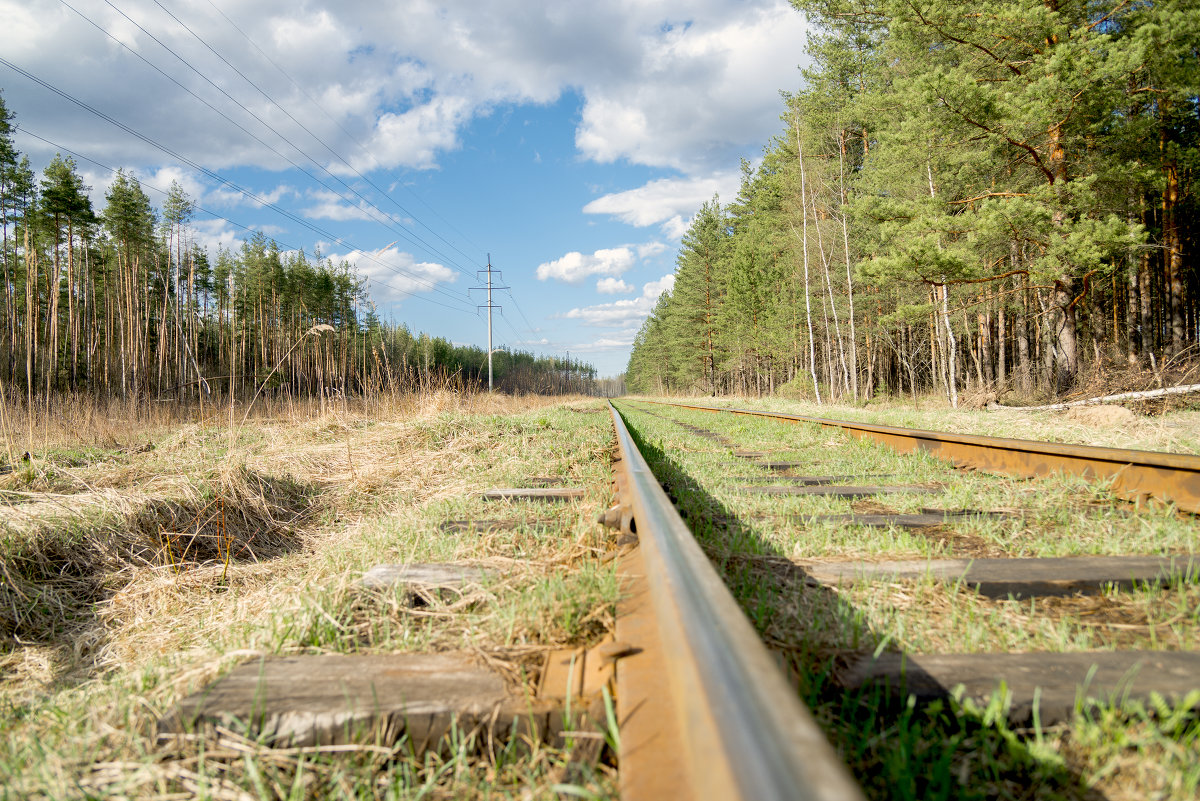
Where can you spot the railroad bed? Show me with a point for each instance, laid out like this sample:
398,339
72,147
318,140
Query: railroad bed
800,612
955,633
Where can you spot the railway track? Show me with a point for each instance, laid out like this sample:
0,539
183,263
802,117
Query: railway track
812,536
803,613
704,710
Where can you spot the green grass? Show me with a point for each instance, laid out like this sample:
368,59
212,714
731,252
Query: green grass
1175,430
948,749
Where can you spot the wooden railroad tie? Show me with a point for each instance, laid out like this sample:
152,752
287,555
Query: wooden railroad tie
925,519
807,480
837,491
426,581
534,494
1026,577
1056,684
335,699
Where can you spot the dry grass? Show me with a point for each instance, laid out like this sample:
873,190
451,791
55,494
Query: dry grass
1171,428
141,558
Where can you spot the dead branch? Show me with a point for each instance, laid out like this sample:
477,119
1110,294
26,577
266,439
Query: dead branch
1122,396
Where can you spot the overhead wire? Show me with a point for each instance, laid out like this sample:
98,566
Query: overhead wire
398,271
219,178
358,142
215,215
320,141
521,311
408,236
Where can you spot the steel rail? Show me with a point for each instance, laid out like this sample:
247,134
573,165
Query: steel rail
1134,475
741,730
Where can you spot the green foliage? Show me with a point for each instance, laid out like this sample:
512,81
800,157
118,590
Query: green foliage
1018,153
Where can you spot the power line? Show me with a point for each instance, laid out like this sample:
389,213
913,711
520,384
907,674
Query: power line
360,144
320,141
235,223
216,177
521,312
412,238
370,207
233,122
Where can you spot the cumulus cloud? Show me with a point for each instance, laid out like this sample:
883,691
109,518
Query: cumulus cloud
162,178
331,206
212,234
650,249
675,227
653,289
392,273
227,197
656,117
668,202
574,267
611,263
613,286
414,137
688,86
617,341
623,313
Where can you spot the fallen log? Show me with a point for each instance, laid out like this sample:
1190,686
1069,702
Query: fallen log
1123,396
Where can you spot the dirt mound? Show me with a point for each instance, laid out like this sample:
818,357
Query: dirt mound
1103,416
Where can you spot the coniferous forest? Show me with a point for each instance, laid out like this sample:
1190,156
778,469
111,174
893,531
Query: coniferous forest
121,302
996,198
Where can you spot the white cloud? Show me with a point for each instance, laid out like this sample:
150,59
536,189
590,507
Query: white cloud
331,206
666,201
687,85
675,227
162,178
650,249
613,286
617,341
623,313
688,105
616,314
392,274
655,288
212,234
415,137
225,196
574,267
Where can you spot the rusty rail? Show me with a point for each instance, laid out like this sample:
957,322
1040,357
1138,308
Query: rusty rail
1134,475
705,711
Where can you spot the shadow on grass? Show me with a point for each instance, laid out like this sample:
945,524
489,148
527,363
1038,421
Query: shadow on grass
896,749
55,575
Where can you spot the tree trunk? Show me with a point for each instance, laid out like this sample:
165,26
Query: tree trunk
812,355
1002,347
1173,255
832,307
1066,343
849,277
951,355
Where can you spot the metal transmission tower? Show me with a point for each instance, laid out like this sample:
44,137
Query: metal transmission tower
489,306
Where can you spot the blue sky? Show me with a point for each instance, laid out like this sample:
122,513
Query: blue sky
571,141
